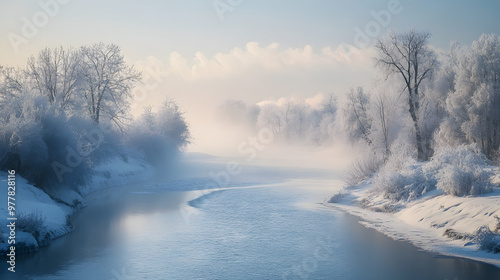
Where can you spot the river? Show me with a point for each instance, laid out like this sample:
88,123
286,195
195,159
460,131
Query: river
265,224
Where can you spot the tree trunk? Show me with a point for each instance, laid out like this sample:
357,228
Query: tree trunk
421,155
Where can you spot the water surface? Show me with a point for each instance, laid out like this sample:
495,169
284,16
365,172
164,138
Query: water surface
249,230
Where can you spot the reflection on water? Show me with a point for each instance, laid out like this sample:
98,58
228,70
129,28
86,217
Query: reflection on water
275,232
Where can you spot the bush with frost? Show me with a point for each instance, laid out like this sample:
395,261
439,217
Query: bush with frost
406,184
160,135
363,168
487,240
461,170
458,171
35,141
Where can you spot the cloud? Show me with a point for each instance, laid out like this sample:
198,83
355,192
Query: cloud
315,101
254,58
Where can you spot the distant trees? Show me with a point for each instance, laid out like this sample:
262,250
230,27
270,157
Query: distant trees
408,56
292,120
271,116
295,120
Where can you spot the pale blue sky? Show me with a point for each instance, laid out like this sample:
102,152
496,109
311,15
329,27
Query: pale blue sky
158,27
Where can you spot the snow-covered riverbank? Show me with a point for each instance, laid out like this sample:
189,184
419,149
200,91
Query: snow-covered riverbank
424,221
45,216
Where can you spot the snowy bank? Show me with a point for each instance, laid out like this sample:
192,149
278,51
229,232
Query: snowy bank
424,221
45,216
119,171
37,213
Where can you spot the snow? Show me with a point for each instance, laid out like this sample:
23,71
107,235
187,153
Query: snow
423,221
463,214
118,171
30,199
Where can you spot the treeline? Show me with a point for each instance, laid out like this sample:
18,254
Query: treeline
290,119
425,102
428,101
68,110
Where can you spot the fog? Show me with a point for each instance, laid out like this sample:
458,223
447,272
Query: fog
252,74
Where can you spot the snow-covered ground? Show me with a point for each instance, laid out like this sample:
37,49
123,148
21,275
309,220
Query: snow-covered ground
31,200
424,220
54,208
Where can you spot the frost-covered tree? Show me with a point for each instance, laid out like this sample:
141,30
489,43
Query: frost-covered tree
54,74
474,105
172,124
377,124
159,135
12,84
296,118
354,116
271,117
380,107
324,119
107,82
238,112
330,106
408,56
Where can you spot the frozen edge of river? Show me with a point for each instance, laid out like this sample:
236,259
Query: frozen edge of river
426,238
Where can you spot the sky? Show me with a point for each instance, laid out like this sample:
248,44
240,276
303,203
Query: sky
204,52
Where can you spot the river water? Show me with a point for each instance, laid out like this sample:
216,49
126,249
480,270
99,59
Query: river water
264,224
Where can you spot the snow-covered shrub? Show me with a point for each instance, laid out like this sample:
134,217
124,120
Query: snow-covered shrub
153,146
458,171
34,224
392,184
31,223
406,184
449,134
461,170
34,137
458,181
98,143
66,165
159,135
487,240
402,153
402,178
455,235
363,168
21,144
337,197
